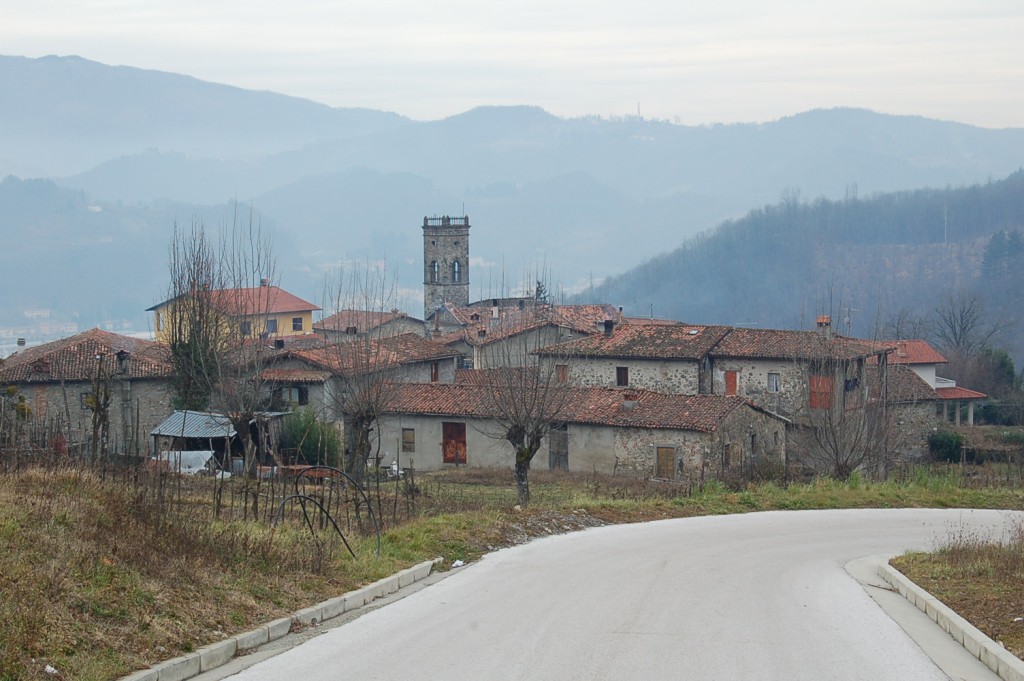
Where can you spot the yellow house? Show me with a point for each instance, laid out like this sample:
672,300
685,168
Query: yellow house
265,310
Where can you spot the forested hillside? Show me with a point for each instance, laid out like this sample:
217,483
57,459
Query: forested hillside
867,261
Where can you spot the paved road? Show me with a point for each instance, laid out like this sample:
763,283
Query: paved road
759,596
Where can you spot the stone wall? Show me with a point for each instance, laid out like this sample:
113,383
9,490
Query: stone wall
668,376
136,408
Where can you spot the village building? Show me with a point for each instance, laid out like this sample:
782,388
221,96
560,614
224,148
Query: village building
262,311
507,336
670,358
607,430
924,360
790,372
316,377
349,324
95,384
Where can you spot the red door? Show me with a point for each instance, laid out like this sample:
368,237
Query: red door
731,379
453,445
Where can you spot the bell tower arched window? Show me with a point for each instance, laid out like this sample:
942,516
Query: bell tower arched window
456,272
435,272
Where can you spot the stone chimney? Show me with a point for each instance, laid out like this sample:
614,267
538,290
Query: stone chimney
825,325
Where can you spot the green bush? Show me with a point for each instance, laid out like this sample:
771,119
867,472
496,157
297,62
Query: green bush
946,445
311,439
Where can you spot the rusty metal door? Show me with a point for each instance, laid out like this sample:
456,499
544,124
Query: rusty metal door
453,443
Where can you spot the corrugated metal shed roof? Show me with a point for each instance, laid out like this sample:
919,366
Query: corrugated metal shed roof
195,424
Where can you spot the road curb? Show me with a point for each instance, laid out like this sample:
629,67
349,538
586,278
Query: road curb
220,653
992,654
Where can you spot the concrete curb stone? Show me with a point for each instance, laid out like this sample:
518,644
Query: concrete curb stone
991,654
216,654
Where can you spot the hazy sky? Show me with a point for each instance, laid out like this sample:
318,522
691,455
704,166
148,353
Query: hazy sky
691,61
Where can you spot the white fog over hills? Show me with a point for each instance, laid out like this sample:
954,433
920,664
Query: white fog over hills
102,160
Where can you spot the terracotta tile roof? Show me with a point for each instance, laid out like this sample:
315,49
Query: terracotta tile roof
361,320
74,359
482,328
904,385
645,341
254,301
597,406
781,344
959,394
913,352
277,375
372,355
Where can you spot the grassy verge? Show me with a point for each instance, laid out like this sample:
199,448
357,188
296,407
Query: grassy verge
979,577
100,575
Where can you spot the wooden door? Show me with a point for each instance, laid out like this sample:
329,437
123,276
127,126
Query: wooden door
665,463
453,444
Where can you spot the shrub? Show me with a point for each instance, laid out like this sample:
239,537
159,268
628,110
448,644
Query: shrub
946,445
313,440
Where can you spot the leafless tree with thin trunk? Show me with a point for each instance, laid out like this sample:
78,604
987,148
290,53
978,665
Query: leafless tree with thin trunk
527,392
362,362
220,297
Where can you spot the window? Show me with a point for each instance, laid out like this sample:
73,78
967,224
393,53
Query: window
820,392
435,371
408,439
271,326
621,376
456,272
773,382
296,323
435,272
245,328
562,373
558,446
86,401
293,395
732,379
157,315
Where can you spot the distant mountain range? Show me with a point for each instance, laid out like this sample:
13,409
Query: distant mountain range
130,151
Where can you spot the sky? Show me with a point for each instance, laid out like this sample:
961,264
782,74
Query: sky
685,61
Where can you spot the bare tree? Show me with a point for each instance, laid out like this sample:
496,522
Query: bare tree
964,330
907,325
216,323
363,364
191,324
527,392
842,423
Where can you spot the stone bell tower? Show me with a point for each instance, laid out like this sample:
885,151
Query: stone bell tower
445,262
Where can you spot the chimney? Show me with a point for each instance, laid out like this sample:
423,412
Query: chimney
825,325
629,400
21,342
609,326
122,361
264,282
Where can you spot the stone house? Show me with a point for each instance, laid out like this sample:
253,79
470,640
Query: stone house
910,403
350,324
790,372
669,358
609,430
318,376
508,336
924,360
64,381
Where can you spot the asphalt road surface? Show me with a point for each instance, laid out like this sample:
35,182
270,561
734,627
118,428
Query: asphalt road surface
758,596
